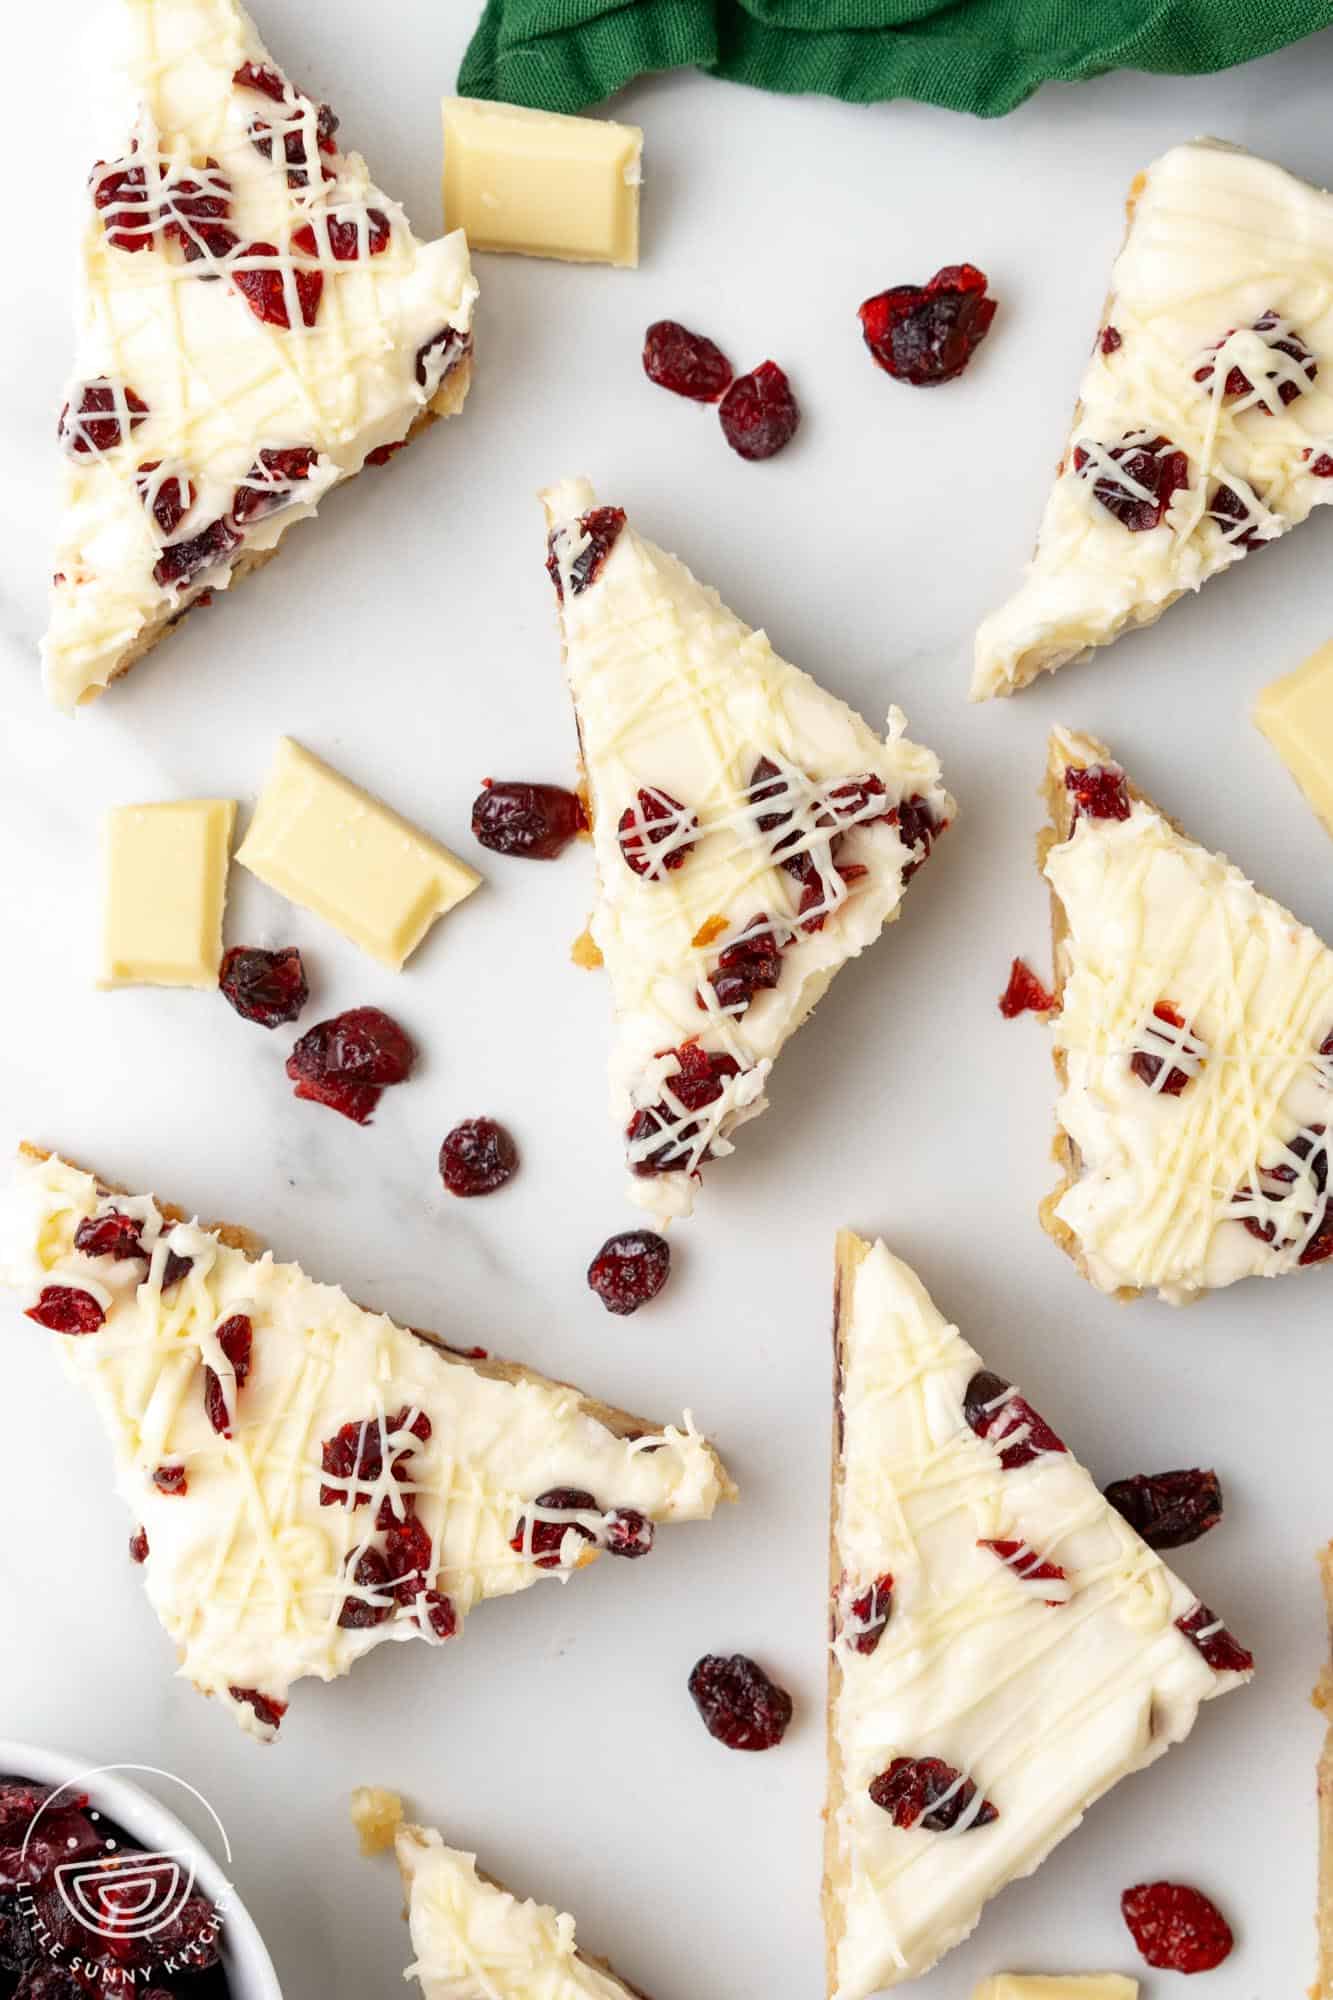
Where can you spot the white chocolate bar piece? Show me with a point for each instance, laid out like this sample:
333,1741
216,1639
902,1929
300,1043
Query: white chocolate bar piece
542,184
166,884
1296,715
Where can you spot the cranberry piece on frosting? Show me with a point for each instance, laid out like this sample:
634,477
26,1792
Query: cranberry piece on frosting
599,532
1223,1652
1007,1420
927,1792
1134,480
264,287
656,833
67,1309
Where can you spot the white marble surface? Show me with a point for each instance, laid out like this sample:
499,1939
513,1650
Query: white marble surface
409,637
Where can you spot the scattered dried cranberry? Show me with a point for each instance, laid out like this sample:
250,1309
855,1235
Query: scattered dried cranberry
139,1546
536,822
546,1538
171,1479
749,965
1169,1509
1238,382
1007,1420
927,1792
355,1456
1026,1564
264,287
348,1061
258,76
1146,1067
599,532
1024,993
1099,791
110,1235
95,422
179,562
630,1269
1321,463
924,334
869,1615
1223,1652
698,1082
655,833
759,414
236,1339
272,480
268,1711
1111,339
168,500
66,1309
1148,472
436,357
917,829
1236,518
408,1555
627,1533
345,237
438,1613
265,986
477,1157
689,364
739,1704
371,1575
1175,1927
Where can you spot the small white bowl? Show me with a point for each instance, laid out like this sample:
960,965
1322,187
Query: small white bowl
249,1969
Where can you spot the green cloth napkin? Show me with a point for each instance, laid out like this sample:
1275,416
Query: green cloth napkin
983,56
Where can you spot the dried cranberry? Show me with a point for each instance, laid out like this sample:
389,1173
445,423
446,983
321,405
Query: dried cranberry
477,1157
191,203
759,414
699,1081
168,500
265,986
97,421
174,1268
629,1270
258,76
655,833
739,1704
1176,1928
139,1546
869,1614
171,1479
1238,382
1135,479
267,1710
749,965
543,1542
924,334
209,239
384,452
917,828
438,1613
1099,791
264,287
1024,993
355,1456
1311,1147
1169,1509
272,480
371,1575
598,531
536,822
66,1309
1224,1654
437,356
1026,1564
626,1532
1146,1067
408,1555
1236,517
110,1235
294,151
346,1062
235,1337
1007,1420
927,1792
689,364
1111,339
181,561
122,188
1321,463
345,235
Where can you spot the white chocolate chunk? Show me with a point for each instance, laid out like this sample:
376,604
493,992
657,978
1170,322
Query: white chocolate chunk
541,183
324,843
1061,1986
165,888
1296,715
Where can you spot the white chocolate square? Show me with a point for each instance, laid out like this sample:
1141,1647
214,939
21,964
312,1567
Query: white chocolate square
542,184
1296,715
1071,1986
322,842
166,885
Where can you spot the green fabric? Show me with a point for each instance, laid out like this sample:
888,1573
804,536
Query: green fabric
983,56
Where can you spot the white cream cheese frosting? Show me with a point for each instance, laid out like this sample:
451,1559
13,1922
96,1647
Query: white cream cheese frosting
189,222
1217,342
1154,927
677,703
1040,1691
473,1940
445,1462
